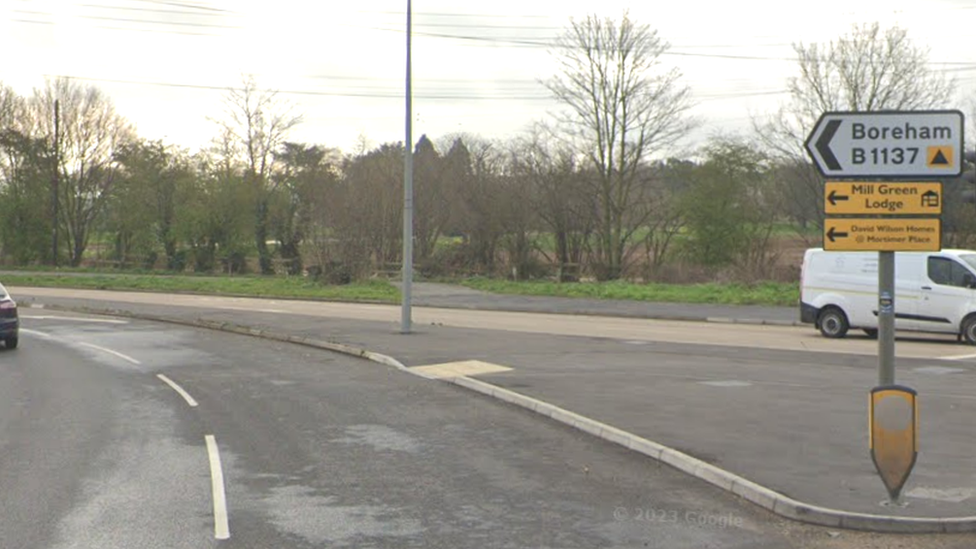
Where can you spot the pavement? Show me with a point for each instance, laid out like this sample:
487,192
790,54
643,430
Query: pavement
781,426
457,297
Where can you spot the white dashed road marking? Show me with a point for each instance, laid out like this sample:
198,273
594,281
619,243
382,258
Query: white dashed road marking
111,352
186,396
221,524
726,383
37,333
74,319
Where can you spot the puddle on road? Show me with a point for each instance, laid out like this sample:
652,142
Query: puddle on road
320,520
381,438
952,495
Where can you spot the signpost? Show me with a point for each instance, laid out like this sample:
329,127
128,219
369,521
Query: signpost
883,207
871,234
888,144
882,198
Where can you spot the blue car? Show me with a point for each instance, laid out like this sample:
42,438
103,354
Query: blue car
9,322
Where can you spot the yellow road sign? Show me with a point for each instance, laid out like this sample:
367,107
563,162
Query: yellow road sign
883,234
882,198
893,434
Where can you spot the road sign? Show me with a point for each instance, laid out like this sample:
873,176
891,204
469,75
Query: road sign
882,198
883,234
888,144
893,434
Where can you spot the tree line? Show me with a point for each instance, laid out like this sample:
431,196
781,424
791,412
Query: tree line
585,193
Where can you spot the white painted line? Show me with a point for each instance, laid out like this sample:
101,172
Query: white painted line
959,357
75,319
726,383
37,333
937,370
186,396
111,352
467,368
221,526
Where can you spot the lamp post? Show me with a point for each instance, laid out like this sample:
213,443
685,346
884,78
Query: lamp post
407,289
55,183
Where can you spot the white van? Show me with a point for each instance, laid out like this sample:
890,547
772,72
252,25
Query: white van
934,292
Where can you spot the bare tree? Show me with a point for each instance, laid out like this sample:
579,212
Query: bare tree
473,168
432,211
868,69
11,108
307,179
260,122
622,107
91,133
551,171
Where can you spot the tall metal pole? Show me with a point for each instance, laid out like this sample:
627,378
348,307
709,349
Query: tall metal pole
405,317
886,318
55,183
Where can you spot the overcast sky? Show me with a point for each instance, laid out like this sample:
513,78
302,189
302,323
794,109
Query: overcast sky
477,65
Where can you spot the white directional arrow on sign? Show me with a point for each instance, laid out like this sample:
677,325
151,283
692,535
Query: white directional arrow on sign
888,144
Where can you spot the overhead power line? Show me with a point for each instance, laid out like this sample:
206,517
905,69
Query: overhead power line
380,93
156,10
186,5
164,23
393,94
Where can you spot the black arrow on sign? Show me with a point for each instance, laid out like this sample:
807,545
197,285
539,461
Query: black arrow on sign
833,235
823,145
834,198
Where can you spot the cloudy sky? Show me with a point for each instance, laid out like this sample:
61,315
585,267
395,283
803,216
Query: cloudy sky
477,65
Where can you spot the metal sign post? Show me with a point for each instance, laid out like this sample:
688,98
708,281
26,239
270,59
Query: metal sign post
896,214
886,318
406,304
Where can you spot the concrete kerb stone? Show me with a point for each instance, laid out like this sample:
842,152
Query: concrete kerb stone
754,493
713,475
680,461
616,436
750,491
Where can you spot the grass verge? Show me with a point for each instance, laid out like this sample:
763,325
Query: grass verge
764,293
256,286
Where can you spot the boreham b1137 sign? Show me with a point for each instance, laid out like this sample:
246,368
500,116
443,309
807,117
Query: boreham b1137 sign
924,144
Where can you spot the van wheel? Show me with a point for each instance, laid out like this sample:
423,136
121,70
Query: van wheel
969,330
871,333
833,323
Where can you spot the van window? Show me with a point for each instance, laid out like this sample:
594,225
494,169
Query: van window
948,273
969,259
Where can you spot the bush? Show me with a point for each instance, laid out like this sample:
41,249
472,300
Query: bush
448,261
334,274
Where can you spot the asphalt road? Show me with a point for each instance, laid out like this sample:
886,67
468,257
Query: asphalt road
316,450
341,320
323,450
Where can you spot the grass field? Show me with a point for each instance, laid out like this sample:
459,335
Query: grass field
766,293
256,286
380,291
